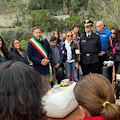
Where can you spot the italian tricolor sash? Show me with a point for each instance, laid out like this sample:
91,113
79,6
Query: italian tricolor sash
43,52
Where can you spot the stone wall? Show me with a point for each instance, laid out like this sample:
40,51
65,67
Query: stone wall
46,35
7,19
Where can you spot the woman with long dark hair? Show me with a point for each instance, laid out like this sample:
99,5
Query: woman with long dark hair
21,91
59,41
4,54
17,53
111,44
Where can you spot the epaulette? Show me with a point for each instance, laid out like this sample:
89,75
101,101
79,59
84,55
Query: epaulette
95,33
82,34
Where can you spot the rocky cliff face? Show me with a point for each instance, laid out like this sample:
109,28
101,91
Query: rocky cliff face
8,10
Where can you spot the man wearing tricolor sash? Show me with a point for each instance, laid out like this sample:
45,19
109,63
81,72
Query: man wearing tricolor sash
40,53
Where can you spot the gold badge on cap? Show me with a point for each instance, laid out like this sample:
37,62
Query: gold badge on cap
86,21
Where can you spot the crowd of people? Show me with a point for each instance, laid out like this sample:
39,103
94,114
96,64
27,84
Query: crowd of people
22,87
75,55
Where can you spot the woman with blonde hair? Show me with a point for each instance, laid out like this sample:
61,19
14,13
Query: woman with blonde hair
96,99
70,56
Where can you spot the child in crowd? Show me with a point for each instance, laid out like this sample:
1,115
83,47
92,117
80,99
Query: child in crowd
96,98
57,65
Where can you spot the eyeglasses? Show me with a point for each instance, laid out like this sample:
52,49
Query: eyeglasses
98,26
69,35
17,43
112,33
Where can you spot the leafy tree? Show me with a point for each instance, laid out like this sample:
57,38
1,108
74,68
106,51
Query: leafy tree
45,21
33,5
18,34
40,18
30,24
51,5
7,36
74,20
23,44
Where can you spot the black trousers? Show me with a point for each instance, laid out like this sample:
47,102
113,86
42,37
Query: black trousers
100,63
110,70
87,68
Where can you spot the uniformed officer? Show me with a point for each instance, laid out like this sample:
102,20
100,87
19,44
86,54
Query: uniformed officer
90,46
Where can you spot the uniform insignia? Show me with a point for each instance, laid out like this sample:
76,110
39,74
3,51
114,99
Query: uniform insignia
83,41
86,21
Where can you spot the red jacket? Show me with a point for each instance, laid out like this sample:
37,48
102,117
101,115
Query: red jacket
94,118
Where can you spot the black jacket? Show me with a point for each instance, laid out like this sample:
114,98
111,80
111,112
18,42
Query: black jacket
74,47
90,45
118,53
109,50
36,57
14,55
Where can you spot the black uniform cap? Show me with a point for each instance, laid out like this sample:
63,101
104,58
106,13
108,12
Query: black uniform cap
87,23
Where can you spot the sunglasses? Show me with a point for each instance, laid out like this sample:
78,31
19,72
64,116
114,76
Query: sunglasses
87,26
112,33
69,35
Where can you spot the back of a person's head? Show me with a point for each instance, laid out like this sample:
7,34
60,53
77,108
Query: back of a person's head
20,92
96,94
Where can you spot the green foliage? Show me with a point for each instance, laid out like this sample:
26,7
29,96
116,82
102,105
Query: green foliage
2,26
95,10
52,5
7,36
50,23
56,5
29,24
17,23
75,5
23,44
45,21
72,20
18,34
40,17
110,24
33,5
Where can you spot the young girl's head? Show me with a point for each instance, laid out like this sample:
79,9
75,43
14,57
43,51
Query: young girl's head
75,35
56,34
95,96
53,41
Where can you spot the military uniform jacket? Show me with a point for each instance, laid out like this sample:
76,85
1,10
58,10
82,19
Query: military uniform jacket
90,47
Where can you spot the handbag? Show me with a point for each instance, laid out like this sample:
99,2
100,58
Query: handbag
60,73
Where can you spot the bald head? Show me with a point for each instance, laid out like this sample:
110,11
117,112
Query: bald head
100,22
99,26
